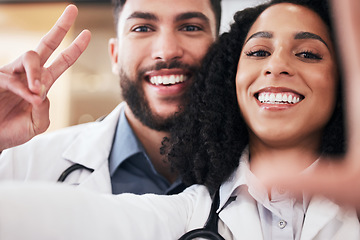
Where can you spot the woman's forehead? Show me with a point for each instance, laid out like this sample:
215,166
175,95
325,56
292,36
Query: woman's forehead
290,18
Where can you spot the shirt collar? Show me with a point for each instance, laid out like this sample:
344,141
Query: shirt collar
242,176
125,144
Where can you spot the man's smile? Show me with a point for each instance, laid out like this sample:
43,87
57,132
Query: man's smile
168,79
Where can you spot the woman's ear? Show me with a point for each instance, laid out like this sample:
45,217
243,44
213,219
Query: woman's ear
113,52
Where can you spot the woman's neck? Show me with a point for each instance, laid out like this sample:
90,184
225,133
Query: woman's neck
270,162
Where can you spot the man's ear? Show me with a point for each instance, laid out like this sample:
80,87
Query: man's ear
113,52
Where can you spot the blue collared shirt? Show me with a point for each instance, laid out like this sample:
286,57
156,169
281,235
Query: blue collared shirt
131,170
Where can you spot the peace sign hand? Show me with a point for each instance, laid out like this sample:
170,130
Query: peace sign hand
24,107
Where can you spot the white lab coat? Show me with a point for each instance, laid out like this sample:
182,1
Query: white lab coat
50,212
60,212
46,156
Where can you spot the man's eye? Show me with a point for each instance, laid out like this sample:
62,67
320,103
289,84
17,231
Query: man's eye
258,53
142,29
191,28
309,55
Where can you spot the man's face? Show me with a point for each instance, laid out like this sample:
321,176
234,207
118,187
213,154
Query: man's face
159,47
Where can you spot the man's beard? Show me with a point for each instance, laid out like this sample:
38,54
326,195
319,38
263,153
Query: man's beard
133,94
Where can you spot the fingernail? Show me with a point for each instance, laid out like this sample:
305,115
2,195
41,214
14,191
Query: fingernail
43,92
37,83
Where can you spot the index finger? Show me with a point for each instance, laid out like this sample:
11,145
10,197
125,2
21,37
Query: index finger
347,21
54,37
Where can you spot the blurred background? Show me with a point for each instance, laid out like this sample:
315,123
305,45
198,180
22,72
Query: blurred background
88,90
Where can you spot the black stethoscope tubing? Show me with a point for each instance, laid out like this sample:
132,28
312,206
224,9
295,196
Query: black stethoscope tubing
209,231
71,169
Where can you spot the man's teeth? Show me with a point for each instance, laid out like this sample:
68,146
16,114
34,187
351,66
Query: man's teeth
165,80
278,98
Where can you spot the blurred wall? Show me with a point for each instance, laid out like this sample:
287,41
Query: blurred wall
88,90
229,7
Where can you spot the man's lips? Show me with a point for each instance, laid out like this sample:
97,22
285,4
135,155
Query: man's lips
278,96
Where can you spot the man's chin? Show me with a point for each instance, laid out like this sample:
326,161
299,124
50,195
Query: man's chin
161,122
163,114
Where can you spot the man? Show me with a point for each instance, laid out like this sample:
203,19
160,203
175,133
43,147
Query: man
158,48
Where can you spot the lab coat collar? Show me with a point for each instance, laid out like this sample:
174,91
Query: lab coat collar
236,179
320,213
241,213
92,146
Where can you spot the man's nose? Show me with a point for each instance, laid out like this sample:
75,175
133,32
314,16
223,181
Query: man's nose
167,46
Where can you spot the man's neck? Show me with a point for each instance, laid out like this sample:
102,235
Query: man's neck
151,141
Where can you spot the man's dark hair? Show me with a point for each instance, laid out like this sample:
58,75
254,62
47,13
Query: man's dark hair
207,142
215,4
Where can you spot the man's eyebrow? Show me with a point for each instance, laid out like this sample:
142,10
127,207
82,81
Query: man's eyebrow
309,35
143,15
189,15
260,35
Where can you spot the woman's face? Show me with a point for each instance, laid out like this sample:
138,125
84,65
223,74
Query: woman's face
287,77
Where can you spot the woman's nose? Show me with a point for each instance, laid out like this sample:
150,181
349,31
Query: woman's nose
279,63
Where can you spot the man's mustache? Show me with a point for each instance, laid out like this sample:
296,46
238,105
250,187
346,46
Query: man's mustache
170,65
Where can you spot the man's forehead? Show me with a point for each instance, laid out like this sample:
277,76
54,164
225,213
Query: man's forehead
166,8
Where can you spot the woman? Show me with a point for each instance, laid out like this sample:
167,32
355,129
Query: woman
211,163
290,113
270,93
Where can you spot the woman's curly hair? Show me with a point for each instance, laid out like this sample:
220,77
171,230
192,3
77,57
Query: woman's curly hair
205,145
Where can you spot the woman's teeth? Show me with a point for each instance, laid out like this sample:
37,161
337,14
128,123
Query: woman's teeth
169,79
278,98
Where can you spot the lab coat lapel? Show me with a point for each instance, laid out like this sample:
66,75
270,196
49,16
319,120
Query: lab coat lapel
242,218
92,148
320,216
99,180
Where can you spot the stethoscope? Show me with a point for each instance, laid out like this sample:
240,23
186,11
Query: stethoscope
209,231
76,166
71,169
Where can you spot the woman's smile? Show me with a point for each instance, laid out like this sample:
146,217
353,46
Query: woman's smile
278,98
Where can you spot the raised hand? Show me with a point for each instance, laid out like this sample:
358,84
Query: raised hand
341,181
24,107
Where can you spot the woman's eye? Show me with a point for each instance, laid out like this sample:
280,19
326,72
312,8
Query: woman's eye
191,28
258,53
309,55
142,29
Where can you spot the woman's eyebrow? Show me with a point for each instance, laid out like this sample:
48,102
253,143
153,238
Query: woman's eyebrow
260,35
309,35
